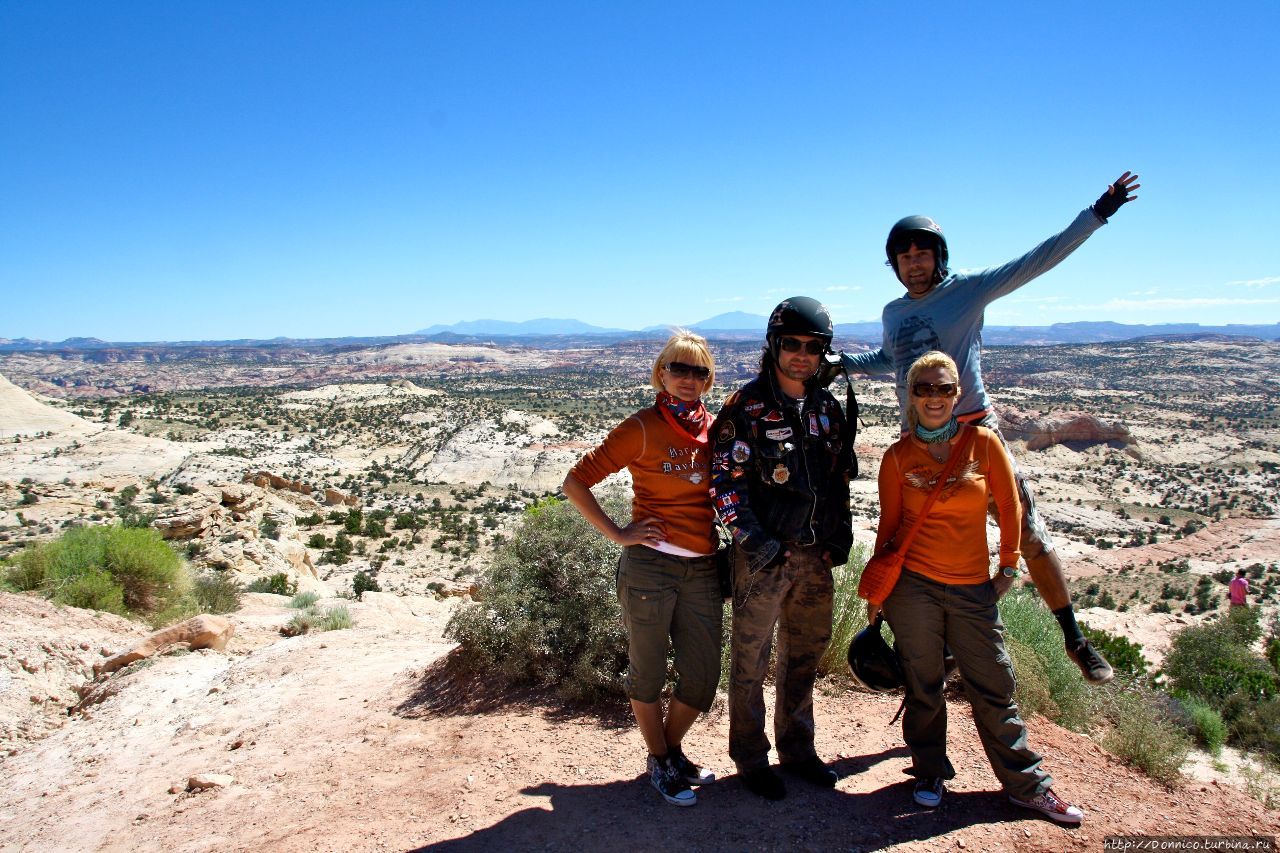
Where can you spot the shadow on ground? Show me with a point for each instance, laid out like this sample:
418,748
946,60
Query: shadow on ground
447,688
628,815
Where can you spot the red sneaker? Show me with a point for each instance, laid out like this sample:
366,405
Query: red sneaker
1048,804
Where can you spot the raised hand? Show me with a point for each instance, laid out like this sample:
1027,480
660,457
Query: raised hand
1116,195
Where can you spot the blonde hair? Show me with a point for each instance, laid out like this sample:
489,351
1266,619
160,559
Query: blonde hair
688,348
929,360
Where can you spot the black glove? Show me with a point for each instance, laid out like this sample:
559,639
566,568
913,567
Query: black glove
831,366
1117,194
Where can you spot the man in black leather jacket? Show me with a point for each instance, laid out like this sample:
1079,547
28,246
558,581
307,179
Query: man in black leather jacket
780,469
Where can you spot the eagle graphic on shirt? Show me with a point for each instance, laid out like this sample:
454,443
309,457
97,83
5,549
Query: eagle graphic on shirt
924,479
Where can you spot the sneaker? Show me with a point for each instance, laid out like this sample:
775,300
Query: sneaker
1049,805
765,783
670,784
928,792
1094,666
813,771
691,771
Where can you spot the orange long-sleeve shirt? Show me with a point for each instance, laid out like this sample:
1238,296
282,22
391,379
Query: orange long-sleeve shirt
670,473
951,545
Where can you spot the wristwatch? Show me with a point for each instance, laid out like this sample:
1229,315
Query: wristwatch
1010,572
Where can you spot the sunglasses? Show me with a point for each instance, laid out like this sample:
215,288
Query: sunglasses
928,389
813,347
680,370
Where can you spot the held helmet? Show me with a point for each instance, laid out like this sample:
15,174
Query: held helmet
874,665
799,315
925,234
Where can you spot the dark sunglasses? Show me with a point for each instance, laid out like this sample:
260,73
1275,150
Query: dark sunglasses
680,370
813,347
928,389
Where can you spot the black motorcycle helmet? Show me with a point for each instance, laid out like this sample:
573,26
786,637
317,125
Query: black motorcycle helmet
874,665
799,315
925,234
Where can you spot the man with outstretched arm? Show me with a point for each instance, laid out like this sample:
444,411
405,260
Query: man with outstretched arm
780,470
943,310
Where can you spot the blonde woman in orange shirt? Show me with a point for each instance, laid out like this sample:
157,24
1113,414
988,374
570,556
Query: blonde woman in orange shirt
946,597
667,582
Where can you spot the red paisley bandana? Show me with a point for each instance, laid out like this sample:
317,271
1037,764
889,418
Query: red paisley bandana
691,418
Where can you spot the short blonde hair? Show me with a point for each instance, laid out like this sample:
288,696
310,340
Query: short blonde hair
688,348
929,360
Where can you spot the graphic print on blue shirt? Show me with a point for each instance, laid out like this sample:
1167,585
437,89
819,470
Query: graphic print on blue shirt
914,337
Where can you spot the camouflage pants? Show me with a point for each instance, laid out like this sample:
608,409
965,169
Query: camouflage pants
796,596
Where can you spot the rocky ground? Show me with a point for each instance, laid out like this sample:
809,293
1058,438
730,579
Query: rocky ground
368,739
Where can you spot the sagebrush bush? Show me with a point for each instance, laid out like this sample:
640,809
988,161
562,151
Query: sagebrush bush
1213,660
150,572
311,618
277,584
1029,622
1032,693
1124,655
118,569
364,582
849,613
304,599
1205,723
216,592
548,611
93,590
1143,735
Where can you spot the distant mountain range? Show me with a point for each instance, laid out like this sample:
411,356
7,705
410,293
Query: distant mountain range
734,325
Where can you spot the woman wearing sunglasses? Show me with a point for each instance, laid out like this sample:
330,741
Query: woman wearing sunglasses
667,582
945,596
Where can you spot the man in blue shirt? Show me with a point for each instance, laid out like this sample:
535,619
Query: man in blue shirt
944,311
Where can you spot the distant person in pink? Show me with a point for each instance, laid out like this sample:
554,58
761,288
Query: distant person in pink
1238,591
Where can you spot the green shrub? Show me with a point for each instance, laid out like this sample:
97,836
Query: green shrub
548,611
1254,724
1273,653
277,584
304,599
364,582
849,613
216,592
335,619
30,566
1142,735
92,590
1206,724
1213,661
152,574
317,540
1124,655
1029,622
1032,693
118,569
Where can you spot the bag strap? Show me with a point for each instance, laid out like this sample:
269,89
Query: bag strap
966,436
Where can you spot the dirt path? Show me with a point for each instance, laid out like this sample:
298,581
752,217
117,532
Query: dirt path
366,740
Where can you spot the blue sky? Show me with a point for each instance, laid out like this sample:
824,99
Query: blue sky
203,170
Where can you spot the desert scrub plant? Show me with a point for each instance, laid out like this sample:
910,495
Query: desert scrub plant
1124,655
1028,622
849,613
304,599
1205,724
364,582
121,570
1143,735
312,618
1214,660
277,584
548,611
